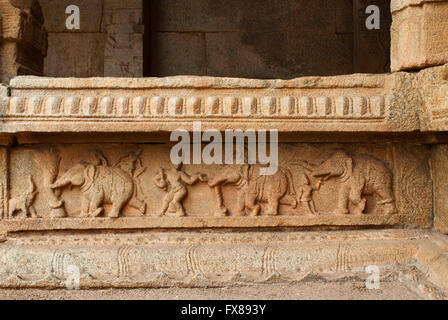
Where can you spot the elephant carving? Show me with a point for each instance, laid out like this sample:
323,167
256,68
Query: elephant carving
255,189
101,183
357,176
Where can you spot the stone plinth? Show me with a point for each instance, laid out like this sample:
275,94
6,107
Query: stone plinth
167,259
87,182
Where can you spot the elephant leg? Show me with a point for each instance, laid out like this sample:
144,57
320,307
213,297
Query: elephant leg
357,200
96,205
85,207
386,203
252,207
118,203
289,201
117,207
221,209
343,200
241,203
25,211
33,213
272,207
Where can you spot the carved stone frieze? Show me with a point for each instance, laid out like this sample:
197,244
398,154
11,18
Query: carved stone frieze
130,186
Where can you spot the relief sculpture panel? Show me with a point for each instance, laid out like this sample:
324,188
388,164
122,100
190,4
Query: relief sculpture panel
101,183
358,176
137,186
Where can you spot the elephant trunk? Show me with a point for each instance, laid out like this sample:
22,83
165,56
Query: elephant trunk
216,181
324,170
321,173
59,183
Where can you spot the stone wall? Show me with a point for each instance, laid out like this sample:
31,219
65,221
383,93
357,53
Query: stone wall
108,43
274,39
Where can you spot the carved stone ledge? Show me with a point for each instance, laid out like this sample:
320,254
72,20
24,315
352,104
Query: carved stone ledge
345,103
197,222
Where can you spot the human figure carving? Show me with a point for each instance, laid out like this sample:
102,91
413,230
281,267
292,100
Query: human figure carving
357,176
24,202
101,183
174,181
305,194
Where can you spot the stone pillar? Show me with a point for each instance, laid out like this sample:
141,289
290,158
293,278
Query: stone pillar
419,34
23,39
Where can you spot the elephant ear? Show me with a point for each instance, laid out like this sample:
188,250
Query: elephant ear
89,174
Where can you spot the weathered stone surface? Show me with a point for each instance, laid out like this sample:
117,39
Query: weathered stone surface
419,34
64,58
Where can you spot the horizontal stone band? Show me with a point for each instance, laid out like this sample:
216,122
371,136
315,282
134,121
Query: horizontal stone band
287,106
